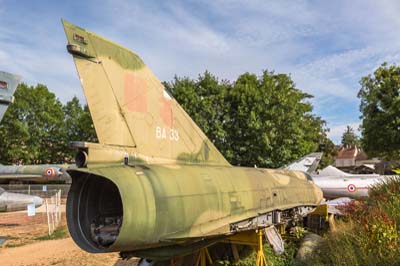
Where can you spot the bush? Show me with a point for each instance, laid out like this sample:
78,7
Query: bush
369,235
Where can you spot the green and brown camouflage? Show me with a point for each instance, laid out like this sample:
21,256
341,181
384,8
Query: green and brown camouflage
155,186
39,172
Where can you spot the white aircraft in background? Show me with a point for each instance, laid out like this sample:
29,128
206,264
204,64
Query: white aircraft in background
336,183
339,188
306,164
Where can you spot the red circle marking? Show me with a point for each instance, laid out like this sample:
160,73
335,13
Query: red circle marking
49,172
351,188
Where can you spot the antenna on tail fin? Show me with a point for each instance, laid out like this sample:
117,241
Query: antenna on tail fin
129,105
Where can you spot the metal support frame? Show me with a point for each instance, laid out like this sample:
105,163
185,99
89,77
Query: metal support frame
203,258
261,260
281,228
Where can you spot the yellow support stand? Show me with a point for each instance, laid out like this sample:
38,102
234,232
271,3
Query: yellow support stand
281,229
321,210
261,260
203,257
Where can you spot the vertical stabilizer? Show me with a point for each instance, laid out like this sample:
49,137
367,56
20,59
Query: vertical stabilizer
308,163
129,105
8,85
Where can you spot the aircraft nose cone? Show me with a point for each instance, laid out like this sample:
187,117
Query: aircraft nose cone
38,201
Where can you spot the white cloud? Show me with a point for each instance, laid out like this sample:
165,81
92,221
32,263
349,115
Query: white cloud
31,48
326,46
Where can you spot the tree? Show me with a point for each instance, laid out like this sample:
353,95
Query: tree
270,121
32,130
78,125
263,121
349,138
37,128
380,108
204,100
329,150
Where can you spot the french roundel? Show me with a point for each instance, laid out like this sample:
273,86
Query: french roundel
49,172
351,188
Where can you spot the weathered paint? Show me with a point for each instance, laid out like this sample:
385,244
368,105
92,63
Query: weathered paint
175,186
42,172
189,201
163,131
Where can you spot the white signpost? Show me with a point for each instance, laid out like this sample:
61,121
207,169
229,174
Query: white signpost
31,209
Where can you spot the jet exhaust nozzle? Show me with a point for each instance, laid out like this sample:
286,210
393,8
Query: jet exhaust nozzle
81,159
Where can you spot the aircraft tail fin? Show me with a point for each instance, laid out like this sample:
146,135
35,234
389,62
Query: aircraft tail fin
8,85
129,105
332,171
308,163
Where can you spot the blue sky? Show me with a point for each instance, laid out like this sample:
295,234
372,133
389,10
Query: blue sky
326,46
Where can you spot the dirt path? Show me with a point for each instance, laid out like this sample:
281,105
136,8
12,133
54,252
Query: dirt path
21,229
56,253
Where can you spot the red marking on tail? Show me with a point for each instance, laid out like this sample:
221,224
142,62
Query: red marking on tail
135,93
166,111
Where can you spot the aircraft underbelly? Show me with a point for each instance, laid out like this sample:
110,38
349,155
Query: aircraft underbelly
17,202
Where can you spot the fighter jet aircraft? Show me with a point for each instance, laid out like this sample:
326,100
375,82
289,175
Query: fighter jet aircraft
12,201
155,186
39,172
9,201
336,183
8,85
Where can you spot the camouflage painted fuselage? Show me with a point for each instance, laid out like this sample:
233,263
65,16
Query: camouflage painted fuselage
38,172
165,203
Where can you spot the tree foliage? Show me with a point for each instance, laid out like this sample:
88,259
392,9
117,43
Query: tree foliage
204,100
37,128
264,121
349,138
380,108
256,120
329,150
78,124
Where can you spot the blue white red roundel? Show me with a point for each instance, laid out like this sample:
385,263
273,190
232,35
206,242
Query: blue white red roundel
49,172
351,188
